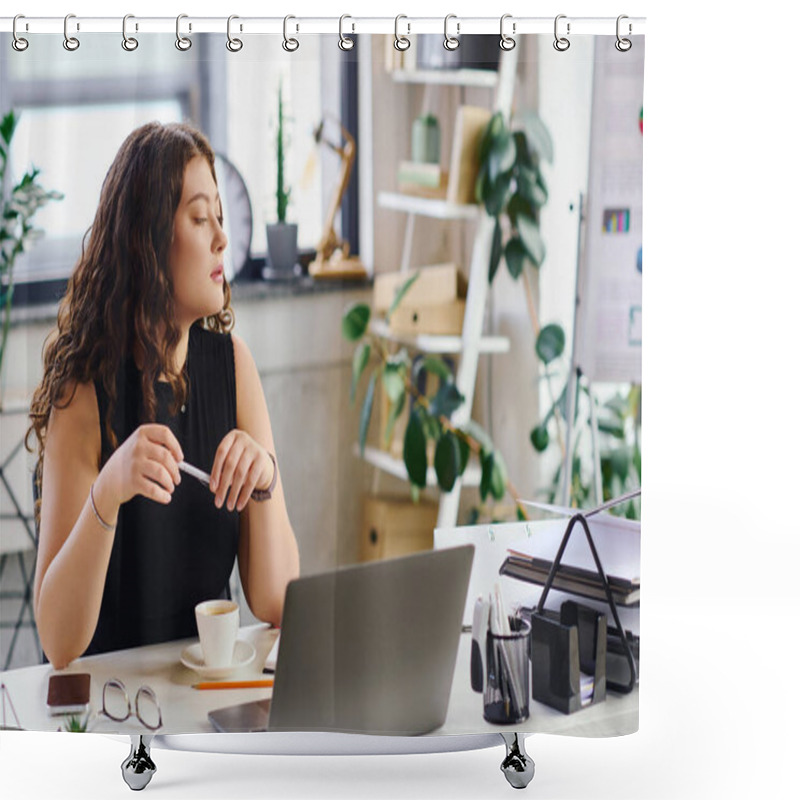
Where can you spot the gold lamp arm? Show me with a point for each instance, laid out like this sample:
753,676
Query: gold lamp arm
333,254
329,241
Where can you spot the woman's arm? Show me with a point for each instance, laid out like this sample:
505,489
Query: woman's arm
74,549
268,556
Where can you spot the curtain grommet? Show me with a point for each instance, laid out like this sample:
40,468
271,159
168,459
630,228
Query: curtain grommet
182,43
128,42
622,44
561,43
19,43
289,44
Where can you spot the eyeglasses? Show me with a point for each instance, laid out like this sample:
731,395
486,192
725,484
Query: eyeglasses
117,704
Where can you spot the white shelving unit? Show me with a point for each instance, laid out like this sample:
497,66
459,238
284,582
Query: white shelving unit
471,343
442,345
428,207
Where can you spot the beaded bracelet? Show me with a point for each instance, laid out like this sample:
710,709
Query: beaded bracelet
96,513
259,495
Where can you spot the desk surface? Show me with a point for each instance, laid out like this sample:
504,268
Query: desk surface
185,710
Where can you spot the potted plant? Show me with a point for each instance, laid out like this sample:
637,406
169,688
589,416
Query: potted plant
512,189
282,236
430,418
19,205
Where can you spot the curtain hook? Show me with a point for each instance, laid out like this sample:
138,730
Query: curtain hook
128,42
451,42
18,43
345,42
623,45
233,45
71,43
506,42
183,43
561,43
401,43
289,44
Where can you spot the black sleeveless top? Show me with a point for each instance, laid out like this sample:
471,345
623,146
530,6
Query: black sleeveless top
168,558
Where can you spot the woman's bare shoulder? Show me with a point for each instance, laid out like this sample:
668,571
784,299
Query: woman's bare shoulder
74,423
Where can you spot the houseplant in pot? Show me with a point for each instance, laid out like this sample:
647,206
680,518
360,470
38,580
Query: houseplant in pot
282,236
20,203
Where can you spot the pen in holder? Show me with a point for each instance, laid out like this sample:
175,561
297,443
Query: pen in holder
507,687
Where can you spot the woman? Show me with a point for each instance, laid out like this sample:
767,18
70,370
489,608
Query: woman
142,373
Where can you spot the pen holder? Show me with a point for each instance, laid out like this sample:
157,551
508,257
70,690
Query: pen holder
562,650
506,689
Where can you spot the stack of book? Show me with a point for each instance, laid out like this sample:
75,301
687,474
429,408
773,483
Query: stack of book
422,179
575,580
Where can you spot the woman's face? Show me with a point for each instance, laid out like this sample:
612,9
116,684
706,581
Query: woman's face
198,241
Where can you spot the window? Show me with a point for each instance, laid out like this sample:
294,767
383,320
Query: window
76,109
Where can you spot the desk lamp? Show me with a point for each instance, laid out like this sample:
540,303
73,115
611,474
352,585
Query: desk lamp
333,258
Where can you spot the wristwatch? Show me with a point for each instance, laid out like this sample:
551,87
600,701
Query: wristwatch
265,494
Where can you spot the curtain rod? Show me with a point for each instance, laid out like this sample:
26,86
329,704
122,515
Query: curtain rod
298,25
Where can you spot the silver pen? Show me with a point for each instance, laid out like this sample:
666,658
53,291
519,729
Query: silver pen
203,477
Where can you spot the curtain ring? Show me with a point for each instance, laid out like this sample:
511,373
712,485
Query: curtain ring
561,43
506,42
345,42
623,45
289,44
128,42
71,43
451,42
18,43
183,43
401,43
233,45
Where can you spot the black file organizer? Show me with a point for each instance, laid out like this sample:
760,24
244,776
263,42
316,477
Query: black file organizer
576,642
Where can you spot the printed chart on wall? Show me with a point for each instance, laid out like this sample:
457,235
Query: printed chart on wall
609,342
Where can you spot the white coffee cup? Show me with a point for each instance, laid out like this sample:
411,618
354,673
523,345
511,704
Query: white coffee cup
218,627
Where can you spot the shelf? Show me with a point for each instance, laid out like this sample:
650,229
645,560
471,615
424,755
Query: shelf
426,207
479,78
429,343
395,466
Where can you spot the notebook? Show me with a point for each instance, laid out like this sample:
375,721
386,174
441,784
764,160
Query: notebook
365,649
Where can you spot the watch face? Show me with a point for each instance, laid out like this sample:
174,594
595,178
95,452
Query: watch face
237,216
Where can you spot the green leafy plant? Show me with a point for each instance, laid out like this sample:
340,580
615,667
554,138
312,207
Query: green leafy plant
619,425
282,193
74,723
19,205
513,190
430,419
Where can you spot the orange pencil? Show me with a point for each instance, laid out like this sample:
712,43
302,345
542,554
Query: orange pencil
261,684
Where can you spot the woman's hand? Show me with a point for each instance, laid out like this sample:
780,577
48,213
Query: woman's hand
241,464
146,463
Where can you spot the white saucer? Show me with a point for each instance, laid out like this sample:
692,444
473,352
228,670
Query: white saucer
192,657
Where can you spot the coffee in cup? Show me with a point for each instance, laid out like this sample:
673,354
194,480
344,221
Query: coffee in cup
217,627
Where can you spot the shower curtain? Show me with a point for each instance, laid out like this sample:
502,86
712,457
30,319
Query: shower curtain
406,228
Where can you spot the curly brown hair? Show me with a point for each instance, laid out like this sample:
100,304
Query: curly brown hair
120,292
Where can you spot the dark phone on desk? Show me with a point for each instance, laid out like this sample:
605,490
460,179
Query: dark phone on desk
69,694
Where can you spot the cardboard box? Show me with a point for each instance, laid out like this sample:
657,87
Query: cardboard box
396,526
436,285
446,319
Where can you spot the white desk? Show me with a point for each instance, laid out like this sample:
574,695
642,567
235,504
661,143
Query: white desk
185,710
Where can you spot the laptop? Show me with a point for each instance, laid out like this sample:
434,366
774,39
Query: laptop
365,649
